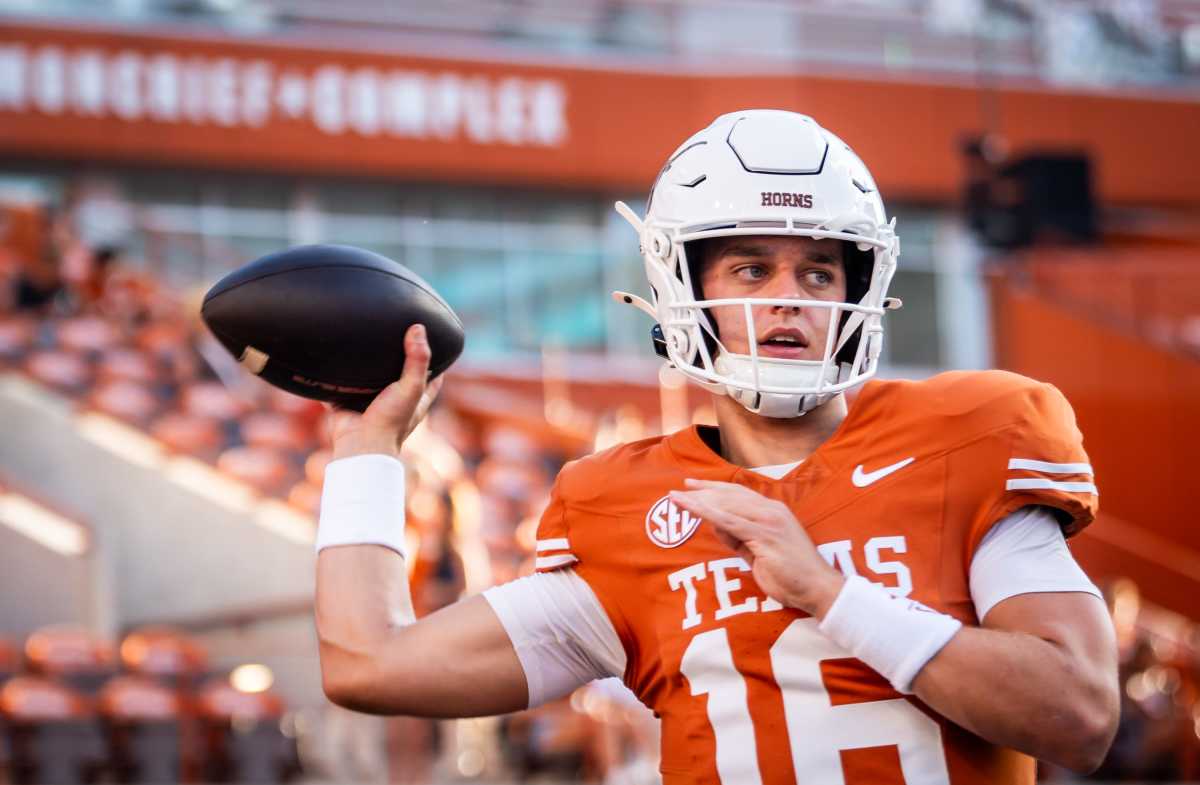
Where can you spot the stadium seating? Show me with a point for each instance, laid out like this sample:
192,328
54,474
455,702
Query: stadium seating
143,721
243,741
17,335
63,371
147,711
71,655
53,733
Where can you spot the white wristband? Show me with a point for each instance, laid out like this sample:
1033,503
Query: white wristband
362,503
894,636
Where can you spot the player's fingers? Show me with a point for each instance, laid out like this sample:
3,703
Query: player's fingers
431,393
753,505
732,488
427,399
704,506
416,358
416,351
397,403
729,541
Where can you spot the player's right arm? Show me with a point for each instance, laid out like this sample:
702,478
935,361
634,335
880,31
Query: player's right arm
376,656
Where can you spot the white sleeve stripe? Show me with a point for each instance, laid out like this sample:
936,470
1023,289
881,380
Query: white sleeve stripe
556,544
1050,468
1037,483
546,562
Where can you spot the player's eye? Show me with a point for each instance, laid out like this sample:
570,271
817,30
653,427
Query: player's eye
820,278
750,272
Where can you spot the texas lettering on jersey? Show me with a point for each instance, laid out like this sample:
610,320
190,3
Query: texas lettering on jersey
750,691
723,586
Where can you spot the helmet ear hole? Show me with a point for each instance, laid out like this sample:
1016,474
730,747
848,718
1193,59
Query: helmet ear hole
660,246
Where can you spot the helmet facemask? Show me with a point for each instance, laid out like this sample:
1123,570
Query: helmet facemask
770,386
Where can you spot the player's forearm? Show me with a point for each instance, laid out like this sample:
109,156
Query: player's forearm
362,601
1020,691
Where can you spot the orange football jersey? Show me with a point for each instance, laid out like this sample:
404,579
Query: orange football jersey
749,691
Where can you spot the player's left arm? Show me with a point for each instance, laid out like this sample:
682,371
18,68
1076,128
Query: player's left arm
1039,676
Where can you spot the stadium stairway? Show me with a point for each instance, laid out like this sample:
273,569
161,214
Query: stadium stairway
39,582
1116,333
169,540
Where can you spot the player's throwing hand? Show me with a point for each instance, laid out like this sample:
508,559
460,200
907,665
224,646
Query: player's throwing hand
766,534
395,412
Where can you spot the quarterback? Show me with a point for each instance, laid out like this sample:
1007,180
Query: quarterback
809,592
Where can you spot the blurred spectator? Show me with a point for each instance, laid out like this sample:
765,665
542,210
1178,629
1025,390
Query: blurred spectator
29,276
35,285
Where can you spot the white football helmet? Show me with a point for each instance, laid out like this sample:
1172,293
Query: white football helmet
766,172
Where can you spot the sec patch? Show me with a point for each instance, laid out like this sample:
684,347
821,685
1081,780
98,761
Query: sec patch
669,526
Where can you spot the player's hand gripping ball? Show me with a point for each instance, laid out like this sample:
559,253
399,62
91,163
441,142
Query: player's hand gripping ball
328,321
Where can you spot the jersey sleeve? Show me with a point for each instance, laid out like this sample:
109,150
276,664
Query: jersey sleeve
1038,459
571,538
1025,553
560,632
553,548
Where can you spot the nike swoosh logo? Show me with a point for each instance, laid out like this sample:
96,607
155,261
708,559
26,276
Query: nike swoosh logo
863,479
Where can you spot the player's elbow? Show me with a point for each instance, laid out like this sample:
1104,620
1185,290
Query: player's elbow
1095,742
345,679
349,677
1085,753
1087,737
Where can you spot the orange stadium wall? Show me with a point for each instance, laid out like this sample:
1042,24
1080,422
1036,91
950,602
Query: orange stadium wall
114,95
1138,406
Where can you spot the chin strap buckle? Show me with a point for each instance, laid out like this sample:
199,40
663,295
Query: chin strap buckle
660,342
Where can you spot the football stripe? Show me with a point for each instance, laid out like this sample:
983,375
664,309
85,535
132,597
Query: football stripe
555,544
1037,483
1050,468
549,562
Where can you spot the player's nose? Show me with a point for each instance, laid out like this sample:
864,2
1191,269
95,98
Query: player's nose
783,287
788,284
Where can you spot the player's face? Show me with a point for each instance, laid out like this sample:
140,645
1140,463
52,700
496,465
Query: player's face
768,267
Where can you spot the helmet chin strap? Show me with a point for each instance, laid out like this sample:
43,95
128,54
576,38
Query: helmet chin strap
777,373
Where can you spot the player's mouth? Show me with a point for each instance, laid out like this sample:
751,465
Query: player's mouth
785,343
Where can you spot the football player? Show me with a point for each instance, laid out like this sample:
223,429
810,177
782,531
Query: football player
807,592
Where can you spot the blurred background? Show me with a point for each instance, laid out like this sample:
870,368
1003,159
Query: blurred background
158,504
